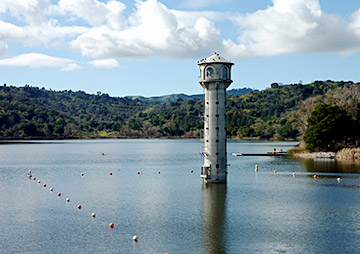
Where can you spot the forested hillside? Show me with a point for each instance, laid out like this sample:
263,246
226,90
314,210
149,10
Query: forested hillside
274,113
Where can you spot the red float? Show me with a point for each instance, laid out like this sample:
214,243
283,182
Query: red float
138,172
44,185
110,173
274,171
191,171
79,206
111,225
59,194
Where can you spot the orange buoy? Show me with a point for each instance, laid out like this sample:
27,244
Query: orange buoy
110,173
79,206
44,185
111,225
274,171
315,176
59,194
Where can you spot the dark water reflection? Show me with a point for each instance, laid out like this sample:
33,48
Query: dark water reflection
331,166
214,216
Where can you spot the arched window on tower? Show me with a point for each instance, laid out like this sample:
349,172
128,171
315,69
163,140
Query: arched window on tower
209,72
225,73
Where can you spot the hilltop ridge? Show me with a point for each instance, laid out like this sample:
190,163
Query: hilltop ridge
174,97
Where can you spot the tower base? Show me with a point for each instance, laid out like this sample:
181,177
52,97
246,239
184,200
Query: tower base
210,177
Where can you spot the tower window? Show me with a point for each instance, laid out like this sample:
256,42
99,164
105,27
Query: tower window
209,72
217,115
217,166
225,72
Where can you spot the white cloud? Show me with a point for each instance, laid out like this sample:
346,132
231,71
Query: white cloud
105,63
98,29
94,12
202,3
31,11
152,29
292,27
35,60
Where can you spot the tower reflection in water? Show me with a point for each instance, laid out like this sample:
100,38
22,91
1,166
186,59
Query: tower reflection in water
214,213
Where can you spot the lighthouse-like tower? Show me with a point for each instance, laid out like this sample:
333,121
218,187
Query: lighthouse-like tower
215,77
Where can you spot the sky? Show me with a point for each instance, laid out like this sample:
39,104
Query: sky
151,47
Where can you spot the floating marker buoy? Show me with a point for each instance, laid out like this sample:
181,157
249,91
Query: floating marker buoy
79,206
158,172
111,225
138,172
51,189
44,185
191,171
338,179
34,178
59,194
93,215
39,181
274,171
102,153
315,176
294,174
110,173
82,174
256,168
67,199
135,238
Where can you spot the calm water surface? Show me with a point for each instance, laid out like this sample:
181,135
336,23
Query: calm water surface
172,212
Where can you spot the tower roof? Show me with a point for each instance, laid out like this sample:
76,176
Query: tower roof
215,58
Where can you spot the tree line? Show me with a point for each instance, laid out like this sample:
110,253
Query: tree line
282,112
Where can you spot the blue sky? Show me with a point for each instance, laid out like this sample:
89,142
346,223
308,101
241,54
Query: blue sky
151,48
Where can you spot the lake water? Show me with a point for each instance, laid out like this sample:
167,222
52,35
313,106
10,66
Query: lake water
172,212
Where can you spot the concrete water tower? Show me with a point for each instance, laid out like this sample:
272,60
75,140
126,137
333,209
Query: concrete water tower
215,77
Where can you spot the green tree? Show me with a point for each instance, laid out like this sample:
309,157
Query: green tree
329,129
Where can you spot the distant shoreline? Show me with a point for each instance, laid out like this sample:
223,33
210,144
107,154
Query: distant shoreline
129,137
344,154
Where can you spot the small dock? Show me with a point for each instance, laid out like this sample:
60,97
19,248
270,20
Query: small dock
262,154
